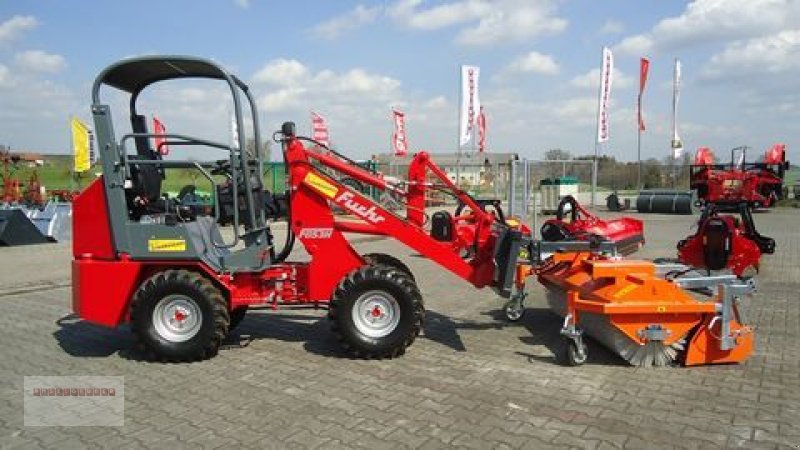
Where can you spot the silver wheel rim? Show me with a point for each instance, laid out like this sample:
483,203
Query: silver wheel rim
376,314
513,313
177,318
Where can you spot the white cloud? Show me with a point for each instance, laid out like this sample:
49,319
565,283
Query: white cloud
483,22
244,4
358,16
709,21
283,72
772,54
39,61
533,62
13,28
591,79
292,86
439,16
612,27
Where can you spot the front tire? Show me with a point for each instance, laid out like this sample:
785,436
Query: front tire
179,316
376,312
382,259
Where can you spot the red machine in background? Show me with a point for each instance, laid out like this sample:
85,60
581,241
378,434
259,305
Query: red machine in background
574,223
724,241
758,184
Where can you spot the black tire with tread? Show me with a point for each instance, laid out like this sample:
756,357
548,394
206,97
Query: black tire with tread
210,301
370,278
382,259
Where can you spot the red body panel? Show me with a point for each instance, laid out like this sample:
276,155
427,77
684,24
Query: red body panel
101,290
91,235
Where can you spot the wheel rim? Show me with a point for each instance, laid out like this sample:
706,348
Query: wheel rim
376,314
513,313
177,318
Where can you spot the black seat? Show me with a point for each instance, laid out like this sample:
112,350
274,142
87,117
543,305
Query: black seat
717,248
144,195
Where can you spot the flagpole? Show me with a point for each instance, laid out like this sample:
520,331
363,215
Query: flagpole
458,121
595,134
639,149
72,165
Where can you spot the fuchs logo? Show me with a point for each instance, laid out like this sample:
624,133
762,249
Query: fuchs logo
367,213
316,233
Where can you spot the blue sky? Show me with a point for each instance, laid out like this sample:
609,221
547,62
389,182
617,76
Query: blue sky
352,61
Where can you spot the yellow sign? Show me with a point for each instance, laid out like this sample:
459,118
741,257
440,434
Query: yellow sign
80,145
320,185
166,245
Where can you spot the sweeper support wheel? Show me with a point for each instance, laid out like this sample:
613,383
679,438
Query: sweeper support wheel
574,352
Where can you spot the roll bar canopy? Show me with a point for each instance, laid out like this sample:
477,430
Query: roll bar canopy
134,74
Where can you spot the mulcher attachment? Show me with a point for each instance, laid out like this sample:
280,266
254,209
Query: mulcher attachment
573,223
646,320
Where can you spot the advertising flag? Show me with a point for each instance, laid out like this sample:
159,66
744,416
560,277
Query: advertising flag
470,104
319,129
481,131
605,95
677,145
399,139
80,145
644,68
160,140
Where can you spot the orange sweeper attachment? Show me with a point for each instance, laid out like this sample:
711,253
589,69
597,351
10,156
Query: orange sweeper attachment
646,319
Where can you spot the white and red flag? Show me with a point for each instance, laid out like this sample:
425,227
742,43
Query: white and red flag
644,68
399,138
160,140
604,101
319,129
470,104
481,131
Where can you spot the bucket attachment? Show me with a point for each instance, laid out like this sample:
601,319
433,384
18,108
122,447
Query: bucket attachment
647,320
17,229
54,220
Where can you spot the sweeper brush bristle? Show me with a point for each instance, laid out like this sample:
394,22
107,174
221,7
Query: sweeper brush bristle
599,328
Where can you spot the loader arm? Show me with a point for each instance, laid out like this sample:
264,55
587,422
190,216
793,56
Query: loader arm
313,191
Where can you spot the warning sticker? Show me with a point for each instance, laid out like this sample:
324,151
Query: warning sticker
166,245
625,291
320,185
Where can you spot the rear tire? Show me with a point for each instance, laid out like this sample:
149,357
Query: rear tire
376,312
179,316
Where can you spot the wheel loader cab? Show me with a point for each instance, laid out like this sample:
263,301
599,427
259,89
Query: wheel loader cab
145,224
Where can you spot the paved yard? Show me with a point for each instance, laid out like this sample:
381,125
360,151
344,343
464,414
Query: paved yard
472,381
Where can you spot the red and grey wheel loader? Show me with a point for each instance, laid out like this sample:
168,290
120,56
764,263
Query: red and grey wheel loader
145,259
142,258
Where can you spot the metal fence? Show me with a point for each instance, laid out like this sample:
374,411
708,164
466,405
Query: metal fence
493,180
